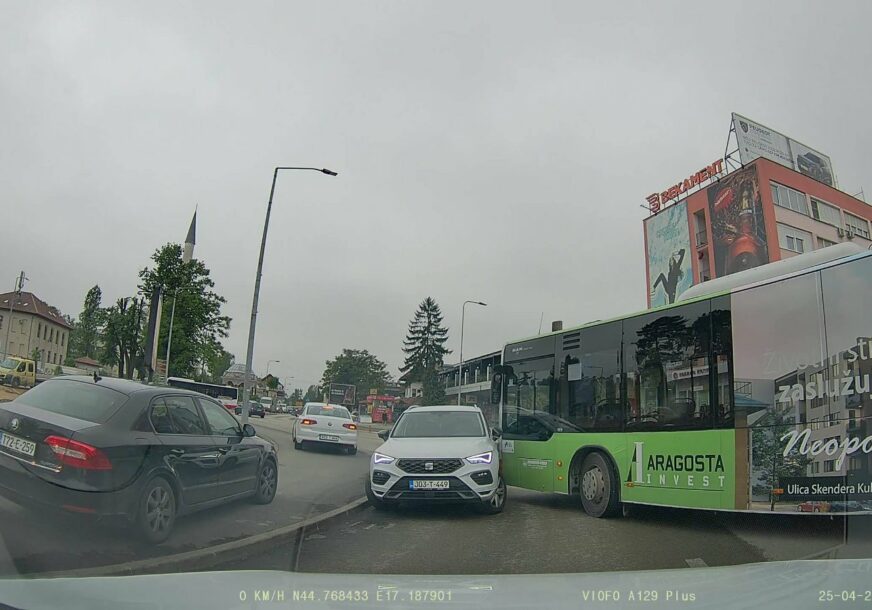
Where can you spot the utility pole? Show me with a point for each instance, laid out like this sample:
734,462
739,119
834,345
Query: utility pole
16,294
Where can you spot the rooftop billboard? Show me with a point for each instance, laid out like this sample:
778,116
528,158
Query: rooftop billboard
756,140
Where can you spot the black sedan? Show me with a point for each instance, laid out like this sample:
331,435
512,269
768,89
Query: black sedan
117,448
256,409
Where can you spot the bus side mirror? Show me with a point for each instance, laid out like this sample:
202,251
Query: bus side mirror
496,388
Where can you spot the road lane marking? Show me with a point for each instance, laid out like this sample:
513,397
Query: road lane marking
696,562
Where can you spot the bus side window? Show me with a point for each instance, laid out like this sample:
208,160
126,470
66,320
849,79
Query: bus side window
589,379
722,354
666,358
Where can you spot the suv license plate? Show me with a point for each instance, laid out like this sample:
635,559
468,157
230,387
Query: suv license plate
327,437
17,444
429,484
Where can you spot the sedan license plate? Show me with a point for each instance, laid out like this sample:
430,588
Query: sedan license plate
429,484
17,444
328,437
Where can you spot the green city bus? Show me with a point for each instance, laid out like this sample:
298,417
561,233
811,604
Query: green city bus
754,396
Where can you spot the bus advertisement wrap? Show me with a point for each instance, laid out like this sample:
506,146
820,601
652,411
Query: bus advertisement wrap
758,399
669,265
738,229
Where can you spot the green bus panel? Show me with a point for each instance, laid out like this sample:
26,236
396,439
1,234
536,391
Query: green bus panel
693,469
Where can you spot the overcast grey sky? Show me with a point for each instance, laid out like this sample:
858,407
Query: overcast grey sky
495,151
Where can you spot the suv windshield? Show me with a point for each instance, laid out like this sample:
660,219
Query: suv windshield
430,424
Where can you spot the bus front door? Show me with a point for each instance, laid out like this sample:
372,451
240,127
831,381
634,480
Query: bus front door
527,460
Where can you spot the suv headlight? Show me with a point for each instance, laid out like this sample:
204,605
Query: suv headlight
481,458
381,458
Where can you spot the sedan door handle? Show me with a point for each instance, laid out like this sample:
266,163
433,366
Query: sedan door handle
223,449
177,451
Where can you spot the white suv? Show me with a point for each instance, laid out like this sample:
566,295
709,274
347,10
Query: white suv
438,454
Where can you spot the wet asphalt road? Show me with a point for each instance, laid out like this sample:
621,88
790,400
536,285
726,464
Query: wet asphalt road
311,482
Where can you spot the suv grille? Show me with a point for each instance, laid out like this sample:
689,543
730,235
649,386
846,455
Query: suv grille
436,466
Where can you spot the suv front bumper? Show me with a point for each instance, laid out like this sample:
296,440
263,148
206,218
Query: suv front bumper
466,484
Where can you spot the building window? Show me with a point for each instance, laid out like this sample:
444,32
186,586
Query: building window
855,463
830,466
825,243
857,225
793,239
826,212
789,198
63,339
1,322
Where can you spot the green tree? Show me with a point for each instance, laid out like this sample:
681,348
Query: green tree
272,382
216,361
434,391
357,367
198,324
36,356
85,336
296,395
424,345
121,333
767,454
313,394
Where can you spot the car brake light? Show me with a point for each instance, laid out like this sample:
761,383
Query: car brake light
79,455
308,422
349,426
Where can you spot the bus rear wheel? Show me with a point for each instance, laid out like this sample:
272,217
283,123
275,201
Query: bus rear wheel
598,487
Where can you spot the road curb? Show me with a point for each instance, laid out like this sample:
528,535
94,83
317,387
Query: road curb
201,559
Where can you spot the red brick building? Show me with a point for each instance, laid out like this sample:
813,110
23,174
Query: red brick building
761,213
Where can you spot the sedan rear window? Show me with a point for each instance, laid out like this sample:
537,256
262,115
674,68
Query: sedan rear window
87,401
429,424
329,411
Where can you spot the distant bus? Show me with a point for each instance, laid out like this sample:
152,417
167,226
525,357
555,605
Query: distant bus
755,397
227,395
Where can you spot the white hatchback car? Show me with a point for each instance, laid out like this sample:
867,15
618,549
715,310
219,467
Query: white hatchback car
438,454
325,424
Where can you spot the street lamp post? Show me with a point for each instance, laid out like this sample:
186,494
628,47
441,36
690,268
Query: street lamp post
268,362
460,366
253,325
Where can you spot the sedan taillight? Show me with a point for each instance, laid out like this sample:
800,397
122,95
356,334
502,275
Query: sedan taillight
76,454
350,426
308,422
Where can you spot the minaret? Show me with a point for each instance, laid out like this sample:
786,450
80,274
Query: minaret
190,240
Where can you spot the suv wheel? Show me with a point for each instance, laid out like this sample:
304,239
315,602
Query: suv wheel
497,502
